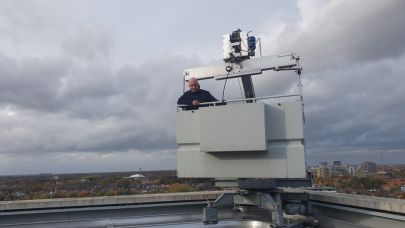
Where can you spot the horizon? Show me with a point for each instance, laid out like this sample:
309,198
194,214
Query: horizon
170,170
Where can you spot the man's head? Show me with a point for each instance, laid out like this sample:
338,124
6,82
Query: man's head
193,85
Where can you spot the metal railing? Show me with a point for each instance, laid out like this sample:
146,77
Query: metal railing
226,102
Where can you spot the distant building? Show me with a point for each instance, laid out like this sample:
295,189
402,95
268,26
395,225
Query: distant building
352,169
323,164
385,173
338,171
137,176
402,188
322,172
368,168
312,170
337,164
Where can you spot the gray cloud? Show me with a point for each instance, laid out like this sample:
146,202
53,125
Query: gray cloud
362,106
69,108
30,82
88,43
343,33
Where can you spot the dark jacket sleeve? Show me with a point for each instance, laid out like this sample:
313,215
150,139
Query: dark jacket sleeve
211,98
184,100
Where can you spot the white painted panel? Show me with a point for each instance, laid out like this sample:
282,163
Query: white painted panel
187,127
239,127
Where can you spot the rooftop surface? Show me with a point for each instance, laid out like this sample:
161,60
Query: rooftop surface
185,210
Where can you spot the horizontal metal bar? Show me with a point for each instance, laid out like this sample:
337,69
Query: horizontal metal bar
218,103
245,67
362,211
96,208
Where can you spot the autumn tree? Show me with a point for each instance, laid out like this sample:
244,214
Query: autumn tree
178,187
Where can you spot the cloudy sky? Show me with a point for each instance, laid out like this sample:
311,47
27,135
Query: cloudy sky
91,86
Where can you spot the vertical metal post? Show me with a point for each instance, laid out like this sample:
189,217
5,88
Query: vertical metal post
184,85
248,89
277,212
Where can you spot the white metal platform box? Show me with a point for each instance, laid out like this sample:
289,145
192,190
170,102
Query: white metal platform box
242,140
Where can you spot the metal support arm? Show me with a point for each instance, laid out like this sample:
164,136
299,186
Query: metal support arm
247,67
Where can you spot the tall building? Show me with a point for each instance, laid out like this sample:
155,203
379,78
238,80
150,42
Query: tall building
352,169
322,172
367,168
337,164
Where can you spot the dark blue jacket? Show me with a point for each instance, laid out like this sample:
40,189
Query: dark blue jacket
201,95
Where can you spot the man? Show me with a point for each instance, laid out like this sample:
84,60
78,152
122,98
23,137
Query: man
195,95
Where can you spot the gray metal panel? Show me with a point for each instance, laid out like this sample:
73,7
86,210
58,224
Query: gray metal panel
187,127
245,165
191,162
285,121
239,127
296,159
294,124
275,120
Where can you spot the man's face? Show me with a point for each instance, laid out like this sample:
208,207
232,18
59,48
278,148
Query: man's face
193,85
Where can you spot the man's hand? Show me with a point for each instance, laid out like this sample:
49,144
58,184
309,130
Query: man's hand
195,103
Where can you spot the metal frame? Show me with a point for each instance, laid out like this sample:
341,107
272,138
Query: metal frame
247,67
